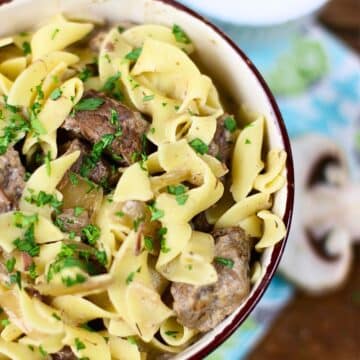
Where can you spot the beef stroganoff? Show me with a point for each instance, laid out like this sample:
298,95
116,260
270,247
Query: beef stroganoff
131,202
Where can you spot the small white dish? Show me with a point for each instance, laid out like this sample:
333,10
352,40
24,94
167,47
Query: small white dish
255,12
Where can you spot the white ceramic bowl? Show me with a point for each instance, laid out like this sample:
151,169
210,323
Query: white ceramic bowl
256,12
224,62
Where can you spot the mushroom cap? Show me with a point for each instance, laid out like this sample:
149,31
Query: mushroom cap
318,255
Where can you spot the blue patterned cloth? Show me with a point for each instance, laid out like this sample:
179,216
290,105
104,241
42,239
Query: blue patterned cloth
316,80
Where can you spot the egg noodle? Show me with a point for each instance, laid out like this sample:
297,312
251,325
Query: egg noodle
152,67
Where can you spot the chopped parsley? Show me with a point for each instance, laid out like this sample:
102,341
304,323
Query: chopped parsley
92,233
163,247
134,54
85,74
42,198
130,278
152,130
230,124
120,29
247,141
88,104
56,94
199,146
225,262
26,47
5,322
32,271
119,214
112,87
55,79
36,125
39,91
156,213
48,163
69,281
21,221
78,211
91,160
79,344
132,340
180,35
180,193
74,179
171,333
148,98
137,222
54,33
107,57
114,117
101,257
56,316
43,352
17,125
27,243
10,264
149,243
16,279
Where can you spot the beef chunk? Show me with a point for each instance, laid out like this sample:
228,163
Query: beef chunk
12,181
203,307
71,223
223,142
92,125
101,173
64,354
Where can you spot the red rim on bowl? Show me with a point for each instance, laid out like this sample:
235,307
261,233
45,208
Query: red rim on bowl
279,248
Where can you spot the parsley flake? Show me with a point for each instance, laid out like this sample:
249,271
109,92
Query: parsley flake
10,264
48,163
180,192
88,104
134,54
78,211
130,278
230,124
180,35
92,233
26,47
56,94
85,74
16,279
54,33
225,262
148,98
156,214
69,281
79,344
5,322
161,233
43,352
199,146
112,87
247,141
171,333
149,243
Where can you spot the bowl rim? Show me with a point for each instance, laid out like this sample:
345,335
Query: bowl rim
277,253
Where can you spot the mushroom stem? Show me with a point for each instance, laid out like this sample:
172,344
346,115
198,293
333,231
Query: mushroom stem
330,207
